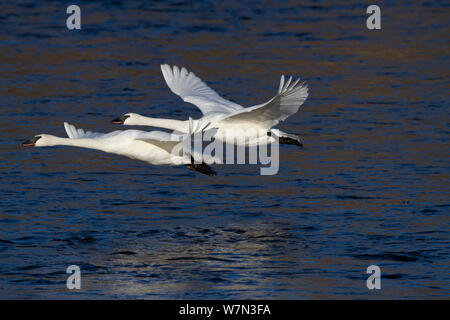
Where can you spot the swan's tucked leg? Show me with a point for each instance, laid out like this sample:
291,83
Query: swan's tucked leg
201,167
285,138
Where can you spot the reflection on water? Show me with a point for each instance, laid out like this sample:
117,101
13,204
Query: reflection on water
369,187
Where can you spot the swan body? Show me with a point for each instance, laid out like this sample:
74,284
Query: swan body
153,147
233,121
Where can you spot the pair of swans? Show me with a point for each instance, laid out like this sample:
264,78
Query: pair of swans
226,120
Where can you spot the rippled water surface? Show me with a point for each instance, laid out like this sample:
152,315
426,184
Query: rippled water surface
369,187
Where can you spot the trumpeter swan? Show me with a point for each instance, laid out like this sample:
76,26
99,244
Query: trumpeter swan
232,120
155,147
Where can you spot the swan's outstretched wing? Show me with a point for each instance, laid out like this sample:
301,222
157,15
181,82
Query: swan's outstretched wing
193,90
78,133
287,102
165,145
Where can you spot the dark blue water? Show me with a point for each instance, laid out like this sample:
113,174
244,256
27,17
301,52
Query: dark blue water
369,187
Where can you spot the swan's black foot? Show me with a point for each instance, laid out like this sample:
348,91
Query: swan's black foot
202,168
286,140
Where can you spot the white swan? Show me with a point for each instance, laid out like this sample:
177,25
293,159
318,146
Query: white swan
153,147
232,120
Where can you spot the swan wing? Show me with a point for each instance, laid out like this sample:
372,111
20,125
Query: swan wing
288,100
78,133
161,139
165,145
168,141
193,90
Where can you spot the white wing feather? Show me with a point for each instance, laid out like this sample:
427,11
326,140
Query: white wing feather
193,90
74,133
287,102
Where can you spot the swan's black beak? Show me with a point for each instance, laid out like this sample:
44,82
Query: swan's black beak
31,142
120,120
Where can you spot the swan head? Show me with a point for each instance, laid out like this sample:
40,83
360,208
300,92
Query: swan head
40,140
127,119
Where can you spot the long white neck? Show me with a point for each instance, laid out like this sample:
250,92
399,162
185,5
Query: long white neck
81,143
138,120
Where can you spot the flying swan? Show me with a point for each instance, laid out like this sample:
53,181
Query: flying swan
154,147
232,120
